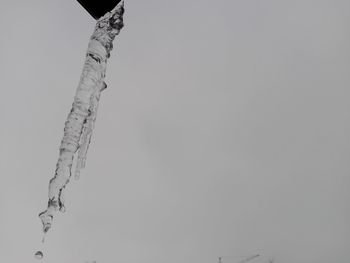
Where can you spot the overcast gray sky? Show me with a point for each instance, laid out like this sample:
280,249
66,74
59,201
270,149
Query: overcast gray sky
224,131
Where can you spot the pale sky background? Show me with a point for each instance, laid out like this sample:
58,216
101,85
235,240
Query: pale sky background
225,130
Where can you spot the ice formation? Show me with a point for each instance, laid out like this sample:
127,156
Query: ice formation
80,122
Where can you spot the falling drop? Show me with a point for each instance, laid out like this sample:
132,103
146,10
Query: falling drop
38,255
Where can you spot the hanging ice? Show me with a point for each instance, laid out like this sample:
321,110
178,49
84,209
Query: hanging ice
80,122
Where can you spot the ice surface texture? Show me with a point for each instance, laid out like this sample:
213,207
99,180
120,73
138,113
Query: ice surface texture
80,122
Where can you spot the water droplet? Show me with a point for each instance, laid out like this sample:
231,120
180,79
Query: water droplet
43,239
38,255
77,174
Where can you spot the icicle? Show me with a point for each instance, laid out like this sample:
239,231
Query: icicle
88,129
80,122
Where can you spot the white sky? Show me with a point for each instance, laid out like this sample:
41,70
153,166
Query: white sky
224,131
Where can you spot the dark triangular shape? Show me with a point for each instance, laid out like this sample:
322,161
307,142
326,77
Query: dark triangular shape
98,8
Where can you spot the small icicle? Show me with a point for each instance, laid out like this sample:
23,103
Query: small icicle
88,128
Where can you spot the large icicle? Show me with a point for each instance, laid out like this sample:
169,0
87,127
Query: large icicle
80,122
